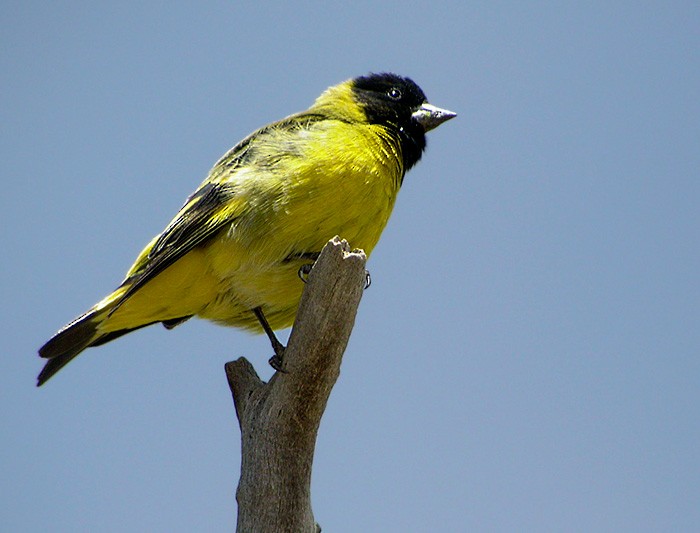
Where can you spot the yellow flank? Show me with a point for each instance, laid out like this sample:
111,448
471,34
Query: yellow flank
180,290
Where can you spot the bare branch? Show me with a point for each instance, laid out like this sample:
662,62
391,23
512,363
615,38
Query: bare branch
279,420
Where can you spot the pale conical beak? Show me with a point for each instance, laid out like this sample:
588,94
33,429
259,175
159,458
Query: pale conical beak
430,117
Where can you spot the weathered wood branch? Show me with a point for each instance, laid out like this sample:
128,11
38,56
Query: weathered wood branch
279,420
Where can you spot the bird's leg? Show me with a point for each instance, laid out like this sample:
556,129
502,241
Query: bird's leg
279,348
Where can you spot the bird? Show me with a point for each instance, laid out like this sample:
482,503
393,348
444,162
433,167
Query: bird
234,252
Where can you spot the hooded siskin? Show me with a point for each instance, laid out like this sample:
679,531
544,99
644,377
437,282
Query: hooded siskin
266,209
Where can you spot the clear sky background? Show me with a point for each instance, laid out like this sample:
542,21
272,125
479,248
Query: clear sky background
528,356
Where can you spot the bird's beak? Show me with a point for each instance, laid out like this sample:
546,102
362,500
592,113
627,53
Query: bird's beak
430,117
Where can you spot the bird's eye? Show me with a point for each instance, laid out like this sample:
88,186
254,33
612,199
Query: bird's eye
394,93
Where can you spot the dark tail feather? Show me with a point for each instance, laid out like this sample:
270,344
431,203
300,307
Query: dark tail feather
68,343
53,366
78,335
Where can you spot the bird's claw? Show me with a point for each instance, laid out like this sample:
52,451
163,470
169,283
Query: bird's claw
304,272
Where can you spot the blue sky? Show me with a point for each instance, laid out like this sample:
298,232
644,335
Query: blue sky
528,356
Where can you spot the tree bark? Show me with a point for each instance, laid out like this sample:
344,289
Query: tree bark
279,420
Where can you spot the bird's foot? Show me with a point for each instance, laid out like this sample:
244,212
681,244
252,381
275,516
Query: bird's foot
276,363
304,272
